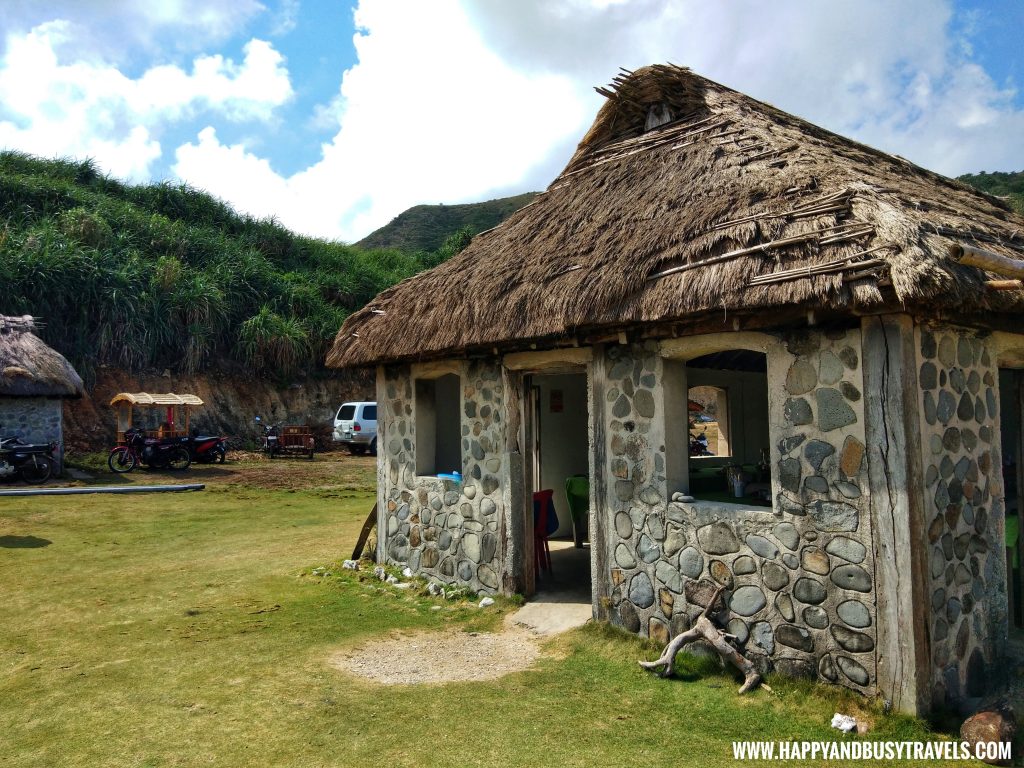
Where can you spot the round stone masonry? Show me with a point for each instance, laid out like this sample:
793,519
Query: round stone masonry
852,577
747,600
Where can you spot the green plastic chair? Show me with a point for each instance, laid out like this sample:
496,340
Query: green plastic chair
577,494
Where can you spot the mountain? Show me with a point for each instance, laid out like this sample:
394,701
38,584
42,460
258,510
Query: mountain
425,227
1000,184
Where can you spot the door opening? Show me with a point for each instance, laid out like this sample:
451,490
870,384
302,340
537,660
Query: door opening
1011,399
557,417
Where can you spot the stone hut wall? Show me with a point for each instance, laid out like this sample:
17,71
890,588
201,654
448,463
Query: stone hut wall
34,420
963,493
436,527
799,575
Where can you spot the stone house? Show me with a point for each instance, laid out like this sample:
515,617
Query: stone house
866,382
34,381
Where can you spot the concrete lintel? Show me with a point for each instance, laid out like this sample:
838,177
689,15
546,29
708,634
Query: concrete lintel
690,347
548,359
437,368
1009,349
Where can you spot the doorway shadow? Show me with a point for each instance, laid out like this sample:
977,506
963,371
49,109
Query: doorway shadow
569,578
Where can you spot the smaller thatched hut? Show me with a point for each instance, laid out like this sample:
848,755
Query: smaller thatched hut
34,379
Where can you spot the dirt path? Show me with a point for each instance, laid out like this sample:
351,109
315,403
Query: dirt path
336,471
443,657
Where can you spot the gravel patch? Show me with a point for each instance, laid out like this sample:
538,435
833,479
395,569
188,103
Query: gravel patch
438,658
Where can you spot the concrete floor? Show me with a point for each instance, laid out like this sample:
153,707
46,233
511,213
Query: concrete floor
563,598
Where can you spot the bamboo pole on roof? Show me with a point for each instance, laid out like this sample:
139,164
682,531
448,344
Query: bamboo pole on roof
1004,285
839,235
972,256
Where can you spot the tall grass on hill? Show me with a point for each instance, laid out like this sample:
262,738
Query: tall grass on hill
165,276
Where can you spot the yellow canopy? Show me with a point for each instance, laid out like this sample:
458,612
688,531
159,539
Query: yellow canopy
125,402
146,398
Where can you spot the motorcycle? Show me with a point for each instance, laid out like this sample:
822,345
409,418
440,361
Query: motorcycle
33,463
699,445
207,449
153,452
271,437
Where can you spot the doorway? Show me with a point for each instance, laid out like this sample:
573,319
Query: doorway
558,482
1011,400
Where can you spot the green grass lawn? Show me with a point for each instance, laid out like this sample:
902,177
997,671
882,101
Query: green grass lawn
188,630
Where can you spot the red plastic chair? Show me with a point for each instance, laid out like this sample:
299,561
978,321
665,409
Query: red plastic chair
543,517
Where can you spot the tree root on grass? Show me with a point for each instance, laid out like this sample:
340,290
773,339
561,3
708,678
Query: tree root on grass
704,629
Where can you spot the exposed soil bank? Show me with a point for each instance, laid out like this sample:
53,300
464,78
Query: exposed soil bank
231,402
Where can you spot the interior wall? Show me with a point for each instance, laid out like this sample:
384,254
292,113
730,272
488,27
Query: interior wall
1009,417
447,409
426,425
1009,428
563,438
748,412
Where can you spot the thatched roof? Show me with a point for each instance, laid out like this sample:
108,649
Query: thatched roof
702,216
29,368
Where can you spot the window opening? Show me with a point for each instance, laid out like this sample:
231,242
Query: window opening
438,425
719,427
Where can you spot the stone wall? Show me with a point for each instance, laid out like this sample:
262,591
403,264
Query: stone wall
799,576
436,527
34,420
963,492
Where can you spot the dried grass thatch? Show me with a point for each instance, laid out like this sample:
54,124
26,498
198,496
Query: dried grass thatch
687,199
29,368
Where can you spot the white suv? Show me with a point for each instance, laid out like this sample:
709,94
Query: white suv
355,427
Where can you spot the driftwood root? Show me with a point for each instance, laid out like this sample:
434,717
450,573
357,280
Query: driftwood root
703,629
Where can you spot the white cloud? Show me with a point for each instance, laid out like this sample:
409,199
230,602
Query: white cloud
123,29
236,175
429,114
50,106
456,101
286,18
889,74
247,91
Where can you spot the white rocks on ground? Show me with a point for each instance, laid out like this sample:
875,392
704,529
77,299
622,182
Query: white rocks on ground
844,723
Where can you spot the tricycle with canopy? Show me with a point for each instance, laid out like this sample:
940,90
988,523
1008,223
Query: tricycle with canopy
167,444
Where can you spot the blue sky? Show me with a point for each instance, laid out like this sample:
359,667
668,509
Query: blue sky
336,116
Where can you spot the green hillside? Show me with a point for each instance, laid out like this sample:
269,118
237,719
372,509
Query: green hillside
1000,184
425,227
163,276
